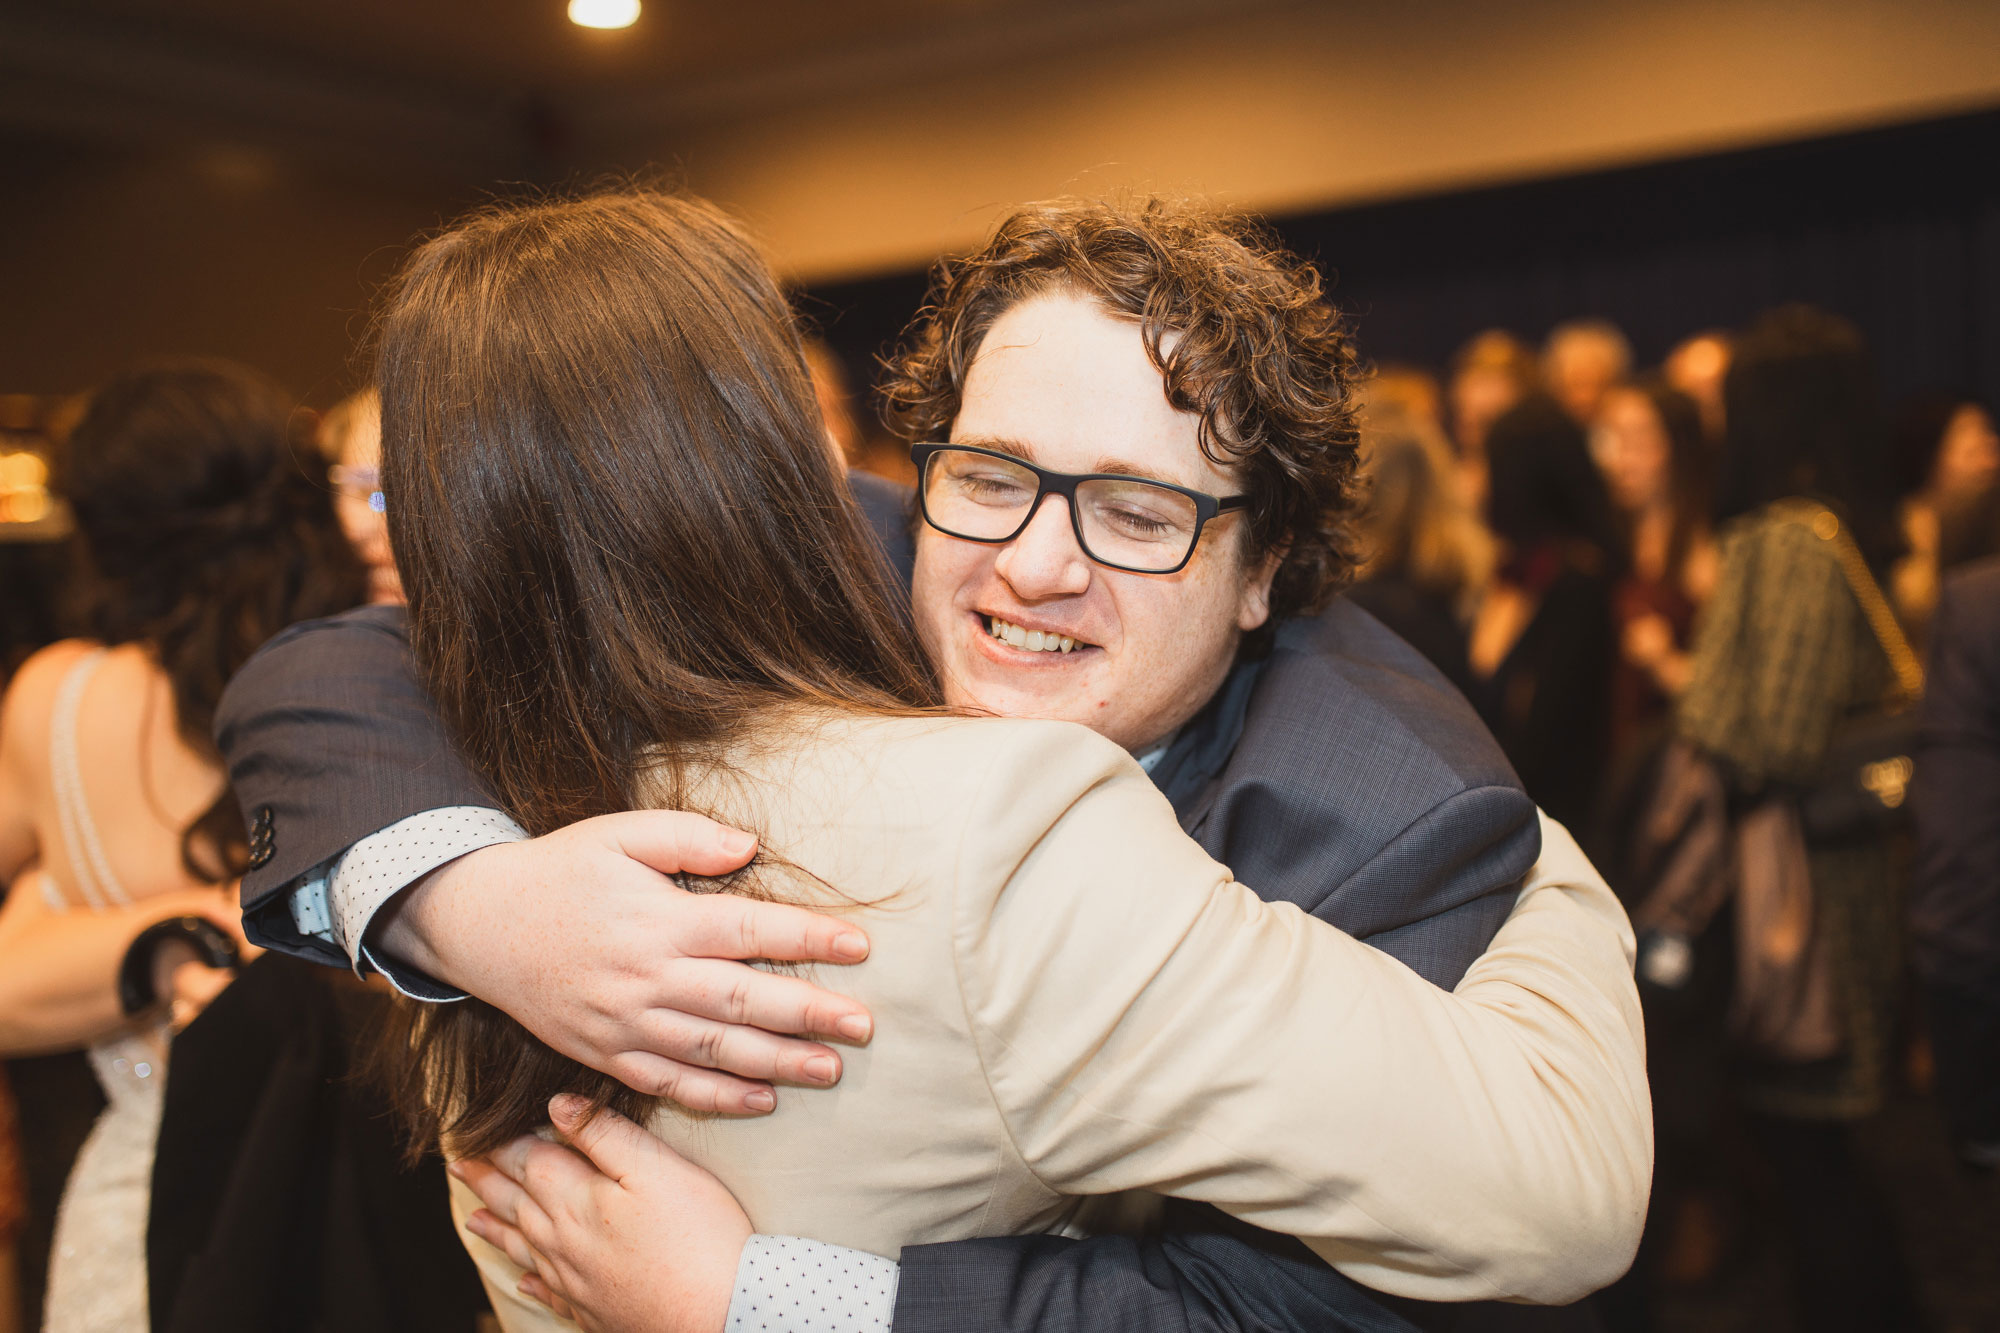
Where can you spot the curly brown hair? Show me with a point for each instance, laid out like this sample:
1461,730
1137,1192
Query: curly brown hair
1260,356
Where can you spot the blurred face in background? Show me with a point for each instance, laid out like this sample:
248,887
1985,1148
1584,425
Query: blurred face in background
1480,396
354,432
1581,365
1968,456
1697,368
1631,446
1063,385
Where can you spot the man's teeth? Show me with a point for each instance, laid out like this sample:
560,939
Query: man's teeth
1034,640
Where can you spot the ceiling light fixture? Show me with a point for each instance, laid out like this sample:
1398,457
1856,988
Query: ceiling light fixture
603,13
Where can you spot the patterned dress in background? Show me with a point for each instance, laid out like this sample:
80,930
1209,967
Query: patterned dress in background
1782,655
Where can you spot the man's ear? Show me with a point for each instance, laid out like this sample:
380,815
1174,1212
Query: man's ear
1254,607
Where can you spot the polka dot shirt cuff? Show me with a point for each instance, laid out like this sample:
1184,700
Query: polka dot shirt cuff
786,1284
386,862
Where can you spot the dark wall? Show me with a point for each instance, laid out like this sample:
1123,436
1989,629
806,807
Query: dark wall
109,254
1898,229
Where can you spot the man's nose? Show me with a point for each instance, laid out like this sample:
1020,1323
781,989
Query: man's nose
1044,560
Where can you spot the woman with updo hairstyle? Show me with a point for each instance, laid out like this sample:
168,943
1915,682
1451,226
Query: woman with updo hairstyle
202,531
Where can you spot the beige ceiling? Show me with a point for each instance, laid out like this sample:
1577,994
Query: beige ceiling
478,88
513,47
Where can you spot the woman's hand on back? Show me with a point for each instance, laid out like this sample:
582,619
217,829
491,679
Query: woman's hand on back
616,1231
581,936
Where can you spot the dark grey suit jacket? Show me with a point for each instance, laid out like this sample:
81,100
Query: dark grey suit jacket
1339,771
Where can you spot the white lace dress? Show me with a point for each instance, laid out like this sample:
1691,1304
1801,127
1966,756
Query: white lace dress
97,1266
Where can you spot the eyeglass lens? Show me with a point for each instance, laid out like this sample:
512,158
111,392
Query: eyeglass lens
1133,524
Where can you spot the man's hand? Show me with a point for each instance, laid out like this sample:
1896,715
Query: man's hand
581,937
618,1231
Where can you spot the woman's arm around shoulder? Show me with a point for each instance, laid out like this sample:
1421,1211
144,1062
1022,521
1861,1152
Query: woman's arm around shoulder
1147,1023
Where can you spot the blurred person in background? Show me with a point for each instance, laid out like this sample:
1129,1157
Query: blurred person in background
1543,640
1955,893
1581,360
1648,442
1409,390
202,532
836,401
1489,375
1427,555
350,435
1947,456
1655,460
854,446
1696,367
1784,653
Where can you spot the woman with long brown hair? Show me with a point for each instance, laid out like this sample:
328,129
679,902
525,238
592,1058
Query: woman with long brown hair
1649,444
203,532
636,579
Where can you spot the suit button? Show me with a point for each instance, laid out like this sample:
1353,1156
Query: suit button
263,842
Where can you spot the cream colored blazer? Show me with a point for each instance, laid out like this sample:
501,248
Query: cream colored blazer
1072,999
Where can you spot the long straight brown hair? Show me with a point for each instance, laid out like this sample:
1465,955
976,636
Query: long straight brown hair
624,540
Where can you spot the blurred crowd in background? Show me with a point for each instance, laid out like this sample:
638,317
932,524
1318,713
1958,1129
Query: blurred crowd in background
1673,592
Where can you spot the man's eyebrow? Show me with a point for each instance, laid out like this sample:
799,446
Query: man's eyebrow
1120,466
999,444
1125,468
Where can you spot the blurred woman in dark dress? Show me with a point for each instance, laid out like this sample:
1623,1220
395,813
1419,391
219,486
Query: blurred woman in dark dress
1544,640
1649,444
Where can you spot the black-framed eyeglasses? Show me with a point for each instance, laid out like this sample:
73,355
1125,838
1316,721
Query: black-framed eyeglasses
1129,523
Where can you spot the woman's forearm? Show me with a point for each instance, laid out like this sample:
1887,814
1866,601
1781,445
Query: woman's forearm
59,971
1489,1143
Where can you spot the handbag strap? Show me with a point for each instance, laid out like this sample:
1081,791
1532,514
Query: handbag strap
1826,525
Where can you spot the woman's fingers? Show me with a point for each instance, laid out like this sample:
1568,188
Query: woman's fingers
553,1175
746,1052
731,992
723,925
701,1090
535,1288
506,1239
502,1195
613,1144
673,841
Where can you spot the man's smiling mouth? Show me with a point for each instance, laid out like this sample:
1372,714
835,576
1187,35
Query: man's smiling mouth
1030,640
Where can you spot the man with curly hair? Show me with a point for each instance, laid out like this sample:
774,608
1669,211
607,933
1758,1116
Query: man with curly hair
1137,457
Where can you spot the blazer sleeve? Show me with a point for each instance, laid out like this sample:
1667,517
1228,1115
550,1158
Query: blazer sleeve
1147,1023
1955,892
329,738
1194,1279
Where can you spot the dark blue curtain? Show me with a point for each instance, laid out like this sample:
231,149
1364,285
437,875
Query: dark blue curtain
1898,229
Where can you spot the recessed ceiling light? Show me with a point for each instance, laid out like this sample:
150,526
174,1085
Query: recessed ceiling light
603,13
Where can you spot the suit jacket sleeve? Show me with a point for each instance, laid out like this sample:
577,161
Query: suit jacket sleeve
329,738
1955,893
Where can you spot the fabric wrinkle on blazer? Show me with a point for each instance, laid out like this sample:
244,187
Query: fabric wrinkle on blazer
1071,998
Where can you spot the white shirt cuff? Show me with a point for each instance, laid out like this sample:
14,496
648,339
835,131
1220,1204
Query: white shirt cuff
786,1284
383,864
